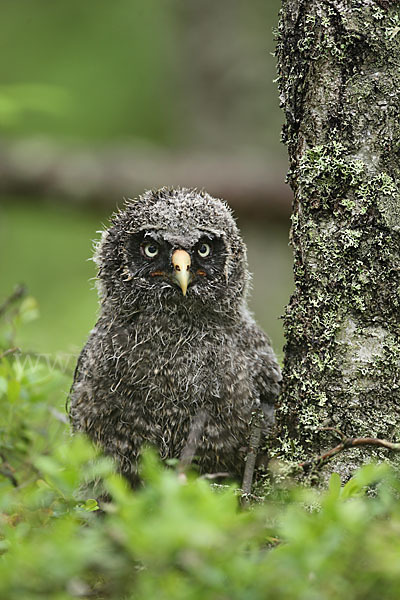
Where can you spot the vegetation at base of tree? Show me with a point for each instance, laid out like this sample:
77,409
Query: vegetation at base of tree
172,538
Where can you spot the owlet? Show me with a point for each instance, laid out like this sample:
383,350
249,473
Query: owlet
175,360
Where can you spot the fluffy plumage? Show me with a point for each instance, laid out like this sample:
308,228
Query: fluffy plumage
159,363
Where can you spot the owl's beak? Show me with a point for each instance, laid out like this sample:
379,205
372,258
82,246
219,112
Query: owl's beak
181,263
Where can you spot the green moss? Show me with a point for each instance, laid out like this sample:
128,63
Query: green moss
340,88
345,263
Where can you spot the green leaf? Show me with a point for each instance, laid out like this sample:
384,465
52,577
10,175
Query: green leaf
334,486
91,505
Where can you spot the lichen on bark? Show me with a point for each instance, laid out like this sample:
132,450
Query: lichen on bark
339,78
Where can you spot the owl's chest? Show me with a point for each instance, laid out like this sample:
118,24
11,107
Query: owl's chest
182,368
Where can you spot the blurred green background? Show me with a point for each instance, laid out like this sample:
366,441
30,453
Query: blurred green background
101,100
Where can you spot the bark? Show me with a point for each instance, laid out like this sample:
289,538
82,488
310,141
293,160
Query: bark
339,77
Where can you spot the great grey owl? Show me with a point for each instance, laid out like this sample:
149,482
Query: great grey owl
175,357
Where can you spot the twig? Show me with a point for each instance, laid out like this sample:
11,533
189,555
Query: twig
335,430
9,351
9,476
18,293
254,444
346,443
8,471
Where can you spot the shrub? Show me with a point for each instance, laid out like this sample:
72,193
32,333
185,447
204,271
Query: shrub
171,540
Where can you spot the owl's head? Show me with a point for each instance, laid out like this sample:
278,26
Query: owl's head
172,248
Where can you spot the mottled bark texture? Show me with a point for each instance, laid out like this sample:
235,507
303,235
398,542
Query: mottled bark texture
339,77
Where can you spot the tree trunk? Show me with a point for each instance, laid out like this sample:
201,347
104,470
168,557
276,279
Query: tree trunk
339,76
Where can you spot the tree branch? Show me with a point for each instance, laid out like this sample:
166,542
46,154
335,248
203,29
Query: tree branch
18,293
345,444
9,351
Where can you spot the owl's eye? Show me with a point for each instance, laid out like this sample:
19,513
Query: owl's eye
204,250
151,250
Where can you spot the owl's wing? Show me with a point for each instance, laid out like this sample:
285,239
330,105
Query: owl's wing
266,374
95,374
89,365
86,376
78,388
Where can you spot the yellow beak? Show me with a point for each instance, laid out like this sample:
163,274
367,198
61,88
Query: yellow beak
181,263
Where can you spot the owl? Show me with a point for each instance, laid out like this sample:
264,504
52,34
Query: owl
175,360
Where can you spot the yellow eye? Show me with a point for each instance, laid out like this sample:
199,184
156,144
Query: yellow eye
150,249
204,250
